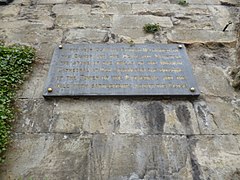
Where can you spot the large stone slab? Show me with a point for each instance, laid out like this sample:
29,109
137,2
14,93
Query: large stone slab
44,156
83,21
157,117
216,157
84,35
85,116
122,157
209,78
201,36
71,9
216,116
135,21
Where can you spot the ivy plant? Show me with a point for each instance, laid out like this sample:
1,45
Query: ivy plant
15,62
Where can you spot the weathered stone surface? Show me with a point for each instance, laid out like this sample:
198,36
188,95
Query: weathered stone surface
84,35
139,157
127,1
210,2
156,117
112,8
44,156
9,11
33,87
40,15
35,116
52,1
21,2
213,81
201,36
83,20
131,26
33,36
230,2
134,22
85,115
71,9
214,54
217,157
216,116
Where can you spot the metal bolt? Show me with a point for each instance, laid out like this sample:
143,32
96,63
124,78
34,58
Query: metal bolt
180,46
192,89
50,89
60,46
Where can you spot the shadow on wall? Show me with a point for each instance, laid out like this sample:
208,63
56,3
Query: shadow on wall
5,2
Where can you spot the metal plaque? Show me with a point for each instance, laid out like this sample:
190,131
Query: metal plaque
120,69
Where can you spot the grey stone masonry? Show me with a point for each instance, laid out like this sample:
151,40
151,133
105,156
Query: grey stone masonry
126,138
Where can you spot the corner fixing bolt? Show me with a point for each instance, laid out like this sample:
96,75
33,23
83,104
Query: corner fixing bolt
192,89
225,28
60,46
50,90
180,46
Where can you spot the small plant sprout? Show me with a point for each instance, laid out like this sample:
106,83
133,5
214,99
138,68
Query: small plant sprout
151,28
183,2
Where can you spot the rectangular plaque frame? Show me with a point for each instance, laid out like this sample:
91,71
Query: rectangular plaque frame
120,70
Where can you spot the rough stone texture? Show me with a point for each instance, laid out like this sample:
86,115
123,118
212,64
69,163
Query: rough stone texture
157,117
83,21
148,157
84,35
126,138
217,157
45,156
201,36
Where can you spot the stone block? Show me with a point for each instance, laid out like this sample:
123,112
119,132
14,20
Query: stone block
216,157
112,8
213,81
210,2
139,157
34,116
127,1
21,2
230,2
33,36
52,1
44,156
34,84
71,9
157,117
216,116
9,11
83,20
84,35
86,115
135,21
153,9
131,26
187,36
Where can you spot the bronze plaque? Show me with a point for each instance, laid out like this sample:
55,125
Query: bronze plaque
120,69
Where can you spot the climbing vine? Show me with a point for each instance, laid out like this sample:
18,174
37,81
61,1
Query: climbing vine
15,62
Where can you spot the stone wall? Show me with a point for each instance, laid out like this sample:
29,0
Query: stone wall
126,138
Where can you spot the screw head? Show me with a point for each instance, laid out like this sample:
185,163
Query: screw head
60,46
180,46
50,89
192,89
